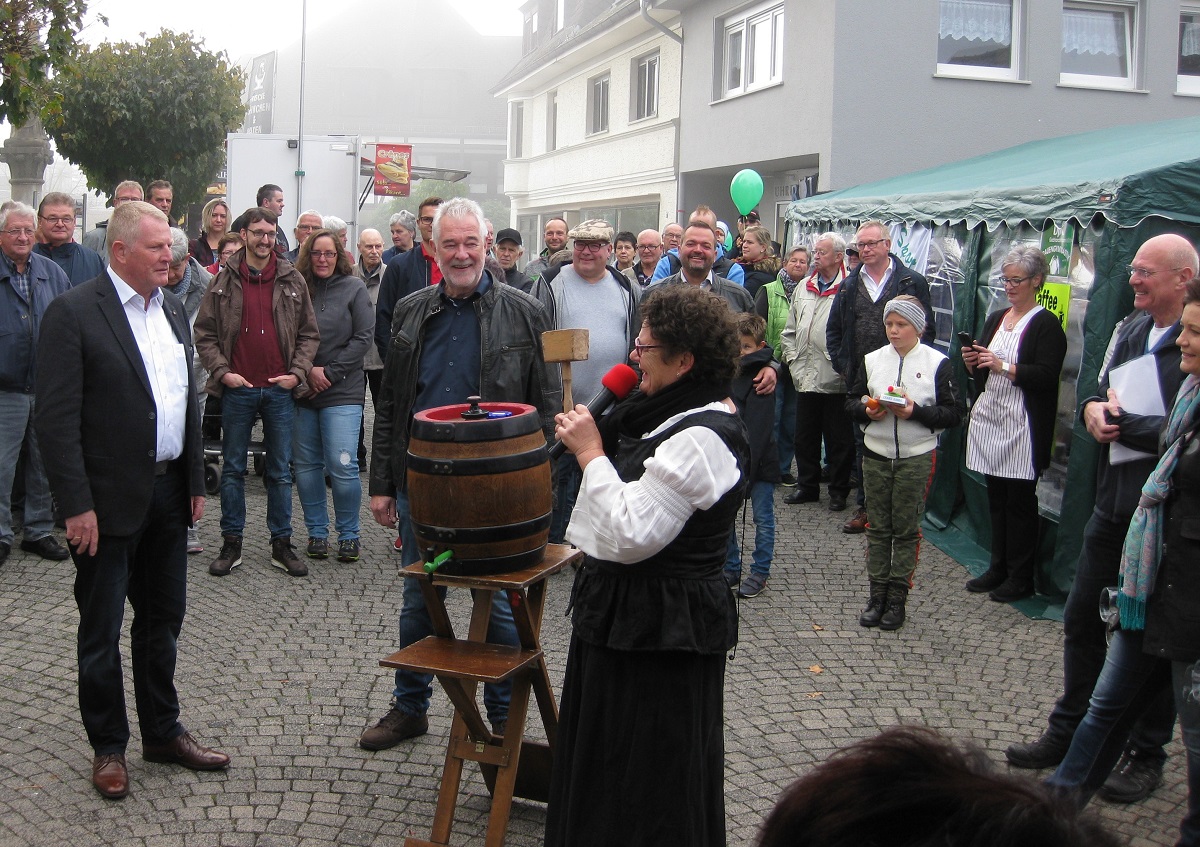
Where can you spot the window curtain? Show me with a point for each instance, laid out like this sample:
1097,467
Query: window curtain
1189,42
1093,32
977,20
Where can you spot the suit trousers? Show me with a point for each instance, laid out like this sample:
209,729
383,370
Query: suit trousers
150,568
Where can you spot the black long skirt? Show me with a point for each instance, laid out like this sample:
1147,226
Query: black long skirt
640,757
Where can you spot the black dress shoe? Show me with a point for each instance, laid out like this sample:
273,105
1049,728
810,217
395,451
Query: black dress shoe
798,496
47,547
185,750
837,503
110,776
1046,752
986,581
1010,591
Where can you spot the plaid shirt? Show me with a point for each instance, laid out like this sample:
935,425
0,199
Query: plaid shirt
19,280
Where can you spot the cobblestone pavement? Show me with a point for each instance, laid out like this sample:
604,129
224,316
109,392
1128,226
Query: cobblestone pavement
282,674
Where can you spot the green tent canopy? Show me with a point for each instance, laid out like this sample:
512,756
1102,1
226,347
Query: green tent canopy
1092,198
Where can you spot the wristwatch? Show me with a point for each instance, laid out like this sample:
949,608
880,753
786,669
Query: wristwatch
1005,367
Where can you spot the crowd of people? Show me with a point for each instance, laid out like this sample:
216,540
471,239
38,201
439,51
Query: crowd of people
758,368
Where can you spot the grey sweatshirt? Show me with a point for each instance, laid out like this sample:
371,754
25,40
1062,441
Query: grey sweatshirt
346,321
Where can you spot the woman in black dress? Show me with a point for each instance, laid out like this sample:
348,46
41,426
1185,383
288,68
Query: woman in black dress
640,751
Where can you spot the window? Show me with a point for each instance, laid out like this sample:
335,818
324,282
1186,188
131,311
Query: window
1098,44
979,38
560,14
529,32
645,91
751,50
551,121
598,104
1189,50
516,131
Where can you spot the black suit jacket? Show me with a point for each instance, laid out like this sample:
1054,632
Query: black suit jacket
95,413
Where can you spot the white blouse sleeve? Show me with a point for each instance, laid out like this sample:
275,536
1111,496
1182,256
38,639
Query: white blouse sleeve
630,521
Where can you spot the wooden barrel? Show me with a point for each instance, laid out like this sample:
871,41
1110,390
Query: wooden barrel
480,486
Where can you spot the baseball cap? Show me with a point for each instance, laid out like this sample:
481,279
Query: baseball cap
509,235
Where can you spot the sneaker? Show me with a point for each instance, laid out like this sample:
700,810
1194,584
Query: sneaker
398,544
1134,778
732,578
856,524
229,557
788,480
318,548
499,727
284,557
393,728
1046,752
752,586
348,550
193,540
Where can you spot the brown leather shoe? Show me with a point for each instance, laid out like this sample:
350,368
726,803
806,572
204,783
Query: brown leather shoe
185,750
856,524
110,776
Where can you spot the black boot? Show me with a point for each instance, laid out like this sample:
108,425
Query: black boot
874,611
992,578
893,615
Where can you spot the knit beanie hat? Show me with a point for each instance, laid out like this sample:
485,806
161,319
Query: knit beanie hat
909,308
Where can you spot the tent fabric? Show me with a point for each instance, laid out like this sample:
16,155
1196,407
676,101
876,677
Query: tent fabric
1124,174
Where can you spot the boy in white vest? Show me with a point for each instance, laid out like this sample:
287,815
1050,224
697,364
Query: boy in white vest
903,398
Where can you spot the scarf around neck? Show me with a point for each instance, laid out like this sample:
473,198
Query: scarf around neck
1142,552
640,413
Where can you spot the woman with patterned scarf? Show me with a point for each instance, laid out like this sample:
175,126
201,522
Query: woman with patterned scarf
1159,601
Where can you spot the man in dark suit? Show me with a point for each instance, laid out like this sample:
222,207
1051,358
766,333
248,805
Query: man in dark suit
129,478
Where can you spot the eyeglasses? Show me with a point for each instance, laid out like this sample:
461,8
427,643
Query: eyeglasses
425,219
307,227
648,247
1014,280
1145,273
323,254
590,246
56,221
640,347
871,244
18,231
125,200
261,234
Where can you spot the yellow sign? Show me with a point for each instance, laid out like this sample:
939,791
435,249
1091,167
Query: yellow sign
1056,297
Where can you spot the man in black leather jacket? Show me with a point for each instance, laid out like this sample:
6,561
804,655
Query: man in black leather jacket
469,334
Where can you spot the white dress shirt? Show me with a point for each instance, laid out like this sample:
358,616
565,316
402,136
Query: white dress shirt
165,358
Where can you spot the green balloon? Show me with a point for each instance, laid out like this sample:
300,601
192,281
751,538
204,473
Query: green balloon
729,241
746,190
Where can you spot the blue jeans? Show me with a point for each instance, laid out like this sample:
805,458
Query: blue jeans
413,690
785,420
326,441
238,409
568,478
16,428
762,500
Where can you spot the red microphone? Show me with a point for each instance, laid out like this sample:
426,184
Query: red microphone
615,386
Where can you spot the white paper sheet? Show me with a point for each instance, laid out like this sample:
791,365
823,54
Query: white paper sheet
1136,385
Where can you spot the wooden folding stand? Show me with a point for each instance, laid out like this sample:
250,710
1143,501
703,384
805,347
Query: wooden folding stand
461,664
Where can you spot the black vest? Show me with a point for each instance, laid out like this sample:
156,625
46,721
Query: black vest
677,598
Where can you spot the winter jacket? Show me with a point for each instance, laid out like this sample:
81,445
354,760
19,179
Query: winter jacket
802,344
757,412
346,323
925,375
78,262
220,319
405,274
733,293
19,320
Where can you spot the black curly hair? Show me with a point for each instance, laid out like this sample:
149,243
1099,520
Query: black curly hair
689,319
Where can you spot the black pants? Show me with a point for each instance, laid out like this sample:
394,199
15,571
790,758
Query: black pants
374,378
1084,646
150,568
1013,506
823,416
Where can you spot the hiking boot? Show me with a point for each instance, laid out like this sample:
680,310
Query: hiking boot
348,550
875,603
1046,752
285,558
229,557
856,524
893,615
752,586
392,728
1134,778
500,727
318,548
987,581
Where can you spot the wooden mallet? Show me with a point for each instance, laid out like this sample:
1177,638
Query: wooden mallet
565,346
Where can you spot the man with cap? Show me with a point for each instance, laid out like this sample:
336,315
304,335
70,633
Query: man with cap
509,250
404,229
588,293
852,259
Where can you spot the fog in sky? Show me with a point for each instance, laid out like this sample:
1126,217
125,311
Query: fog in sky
246,29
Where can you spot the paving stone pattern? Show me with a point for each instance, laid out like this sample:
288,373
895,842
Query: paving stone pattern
282,674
